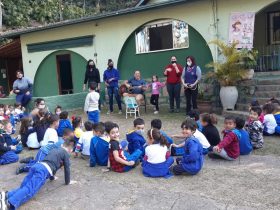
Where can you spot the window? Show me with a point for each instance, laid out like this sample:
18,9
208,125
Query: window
274,27
162,35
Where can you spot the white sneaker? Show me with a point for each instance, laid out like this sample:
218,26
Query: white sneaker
3,205
155,112
120,112
109,112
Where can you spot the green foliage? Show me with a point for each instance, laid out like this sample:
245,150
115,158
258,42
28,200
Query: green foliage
23,13
230,69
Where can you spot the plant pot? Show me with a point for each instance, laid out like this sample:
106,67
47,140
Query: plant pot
228,96
204,106
249,74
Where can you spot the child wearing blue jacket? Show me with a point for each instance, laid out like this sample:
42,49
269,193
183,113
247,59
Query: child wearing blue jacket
245,145
8,146
99,146
156,123
192,160
136,138
157,160
64,123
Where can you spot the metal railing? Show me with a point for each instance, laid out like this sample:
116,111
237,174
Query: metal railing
268,58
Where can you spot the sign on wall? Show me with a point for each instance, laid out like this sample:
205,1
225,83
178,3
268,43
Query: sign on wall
162,35
241,29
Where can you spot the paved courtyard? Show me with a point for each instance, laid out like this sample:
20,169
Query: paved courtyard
251,182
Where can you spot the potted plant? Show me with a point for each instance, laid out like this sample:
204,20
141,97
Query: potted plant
204,102
249,62
228,71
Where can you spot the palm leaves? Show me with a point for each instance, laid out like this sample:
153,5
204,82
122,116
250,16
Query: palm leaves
229,69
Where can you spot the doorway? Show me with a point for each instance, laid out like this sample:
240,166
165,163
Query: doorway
64,74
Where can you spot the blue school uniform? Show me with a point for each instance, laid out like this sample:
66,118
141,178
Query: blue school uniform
169,139
99,152
245,145
63,123
277,118
193,159
157,170
7,155
135,141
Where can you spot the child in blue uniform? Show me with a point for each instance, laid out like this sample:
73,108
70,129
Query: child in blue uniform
99,146
156,123
245,145
64,123
38,175
192,160
157,160
136,138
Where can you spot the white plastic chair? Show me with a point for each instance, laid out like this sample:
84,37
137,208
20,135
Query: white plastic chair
131,106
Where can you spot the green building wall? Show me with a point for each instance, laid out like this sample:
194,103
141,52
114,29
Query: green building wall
46,80
155,62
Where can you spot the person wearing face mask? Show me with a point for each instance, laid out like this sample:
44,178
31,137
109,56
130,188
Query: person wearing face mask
22,87
39,104
91,75
190,78
135,138
173,72
111,78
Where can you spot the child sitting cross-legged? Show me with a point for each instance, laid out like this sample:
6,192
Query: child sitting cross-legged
8,147
83,144
269,120
192,160
99,146
209,130
277,117
117,160
255,128
245,145
157,160
51,133
136,138
64,122
156,123
228,148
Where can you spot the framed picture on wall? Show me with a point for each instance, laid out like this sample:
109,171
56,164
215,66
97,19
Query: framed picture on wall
273,27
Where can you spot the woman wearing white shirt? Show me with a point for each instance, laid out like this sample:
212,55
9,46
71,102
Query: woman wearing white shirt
157,160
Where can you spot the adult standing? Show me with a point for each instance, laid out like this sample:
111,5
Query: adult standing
190,78
111,78
137,87
22,87
173,72
92,75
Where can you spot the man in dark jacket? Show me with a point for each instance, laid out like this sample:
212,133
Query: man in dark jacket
38,175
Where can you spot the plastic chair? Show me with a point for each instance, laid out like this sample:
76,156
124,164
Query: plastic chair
131,106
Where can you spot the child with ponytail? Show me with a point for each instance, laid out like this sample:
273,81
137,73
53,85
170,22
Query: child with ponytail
209,130
157,160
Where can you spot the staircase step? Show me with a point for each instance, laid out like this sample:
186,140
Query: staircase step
265,74
267,94
269,87
247,100
268,81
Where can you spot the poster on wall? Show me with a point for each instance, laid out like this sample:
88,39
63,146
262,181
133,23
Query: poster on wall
241,29
162,35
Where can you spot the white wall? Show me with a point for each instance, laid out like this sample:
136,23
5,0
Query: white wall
111,33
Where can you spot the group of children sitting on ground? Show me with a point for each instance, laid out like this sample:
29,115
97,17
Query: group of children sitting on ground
100,143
